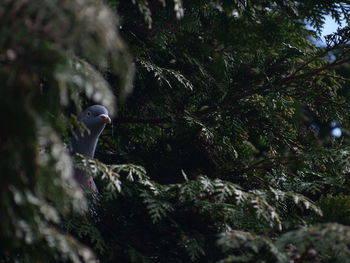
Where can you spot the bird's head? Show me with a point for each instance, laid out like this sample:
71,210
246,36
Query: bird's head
95,118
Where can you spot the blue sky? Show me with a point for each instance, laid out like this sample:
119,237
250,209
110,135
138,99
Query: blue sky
330,26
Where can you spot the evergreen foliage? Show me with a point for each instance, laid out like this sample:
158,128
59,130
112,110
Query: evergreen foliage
220,150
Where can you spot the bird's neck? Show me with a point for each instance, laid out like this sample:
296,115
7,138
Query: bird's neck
86,144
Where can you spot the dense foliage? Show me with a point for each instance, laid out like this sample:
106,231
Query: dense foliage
221,151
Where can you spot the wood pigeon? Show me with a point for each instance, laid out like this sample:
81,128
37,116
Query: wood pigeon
95,119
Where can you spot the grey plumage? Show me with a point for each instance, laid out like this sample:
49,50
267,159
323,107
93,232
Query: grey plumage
95,119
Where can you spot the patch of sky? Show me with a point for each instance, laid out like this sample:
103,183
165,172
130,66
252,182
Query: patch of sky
336,132
334,124
330,26
336,129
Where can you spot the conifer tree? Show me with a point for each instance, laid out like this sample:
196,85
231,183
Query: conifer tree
222,152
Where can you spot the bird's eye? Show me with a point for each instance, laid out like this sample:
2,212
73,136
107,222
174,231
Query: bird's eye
88,113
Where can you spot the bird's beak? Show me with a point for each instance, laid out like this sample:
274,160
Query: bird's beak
105,118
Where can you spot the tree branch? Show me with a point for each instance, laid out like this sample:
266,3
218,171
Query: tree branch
140,120
227,103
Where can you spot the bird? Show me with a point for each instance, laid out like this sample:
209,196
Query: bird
95,119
